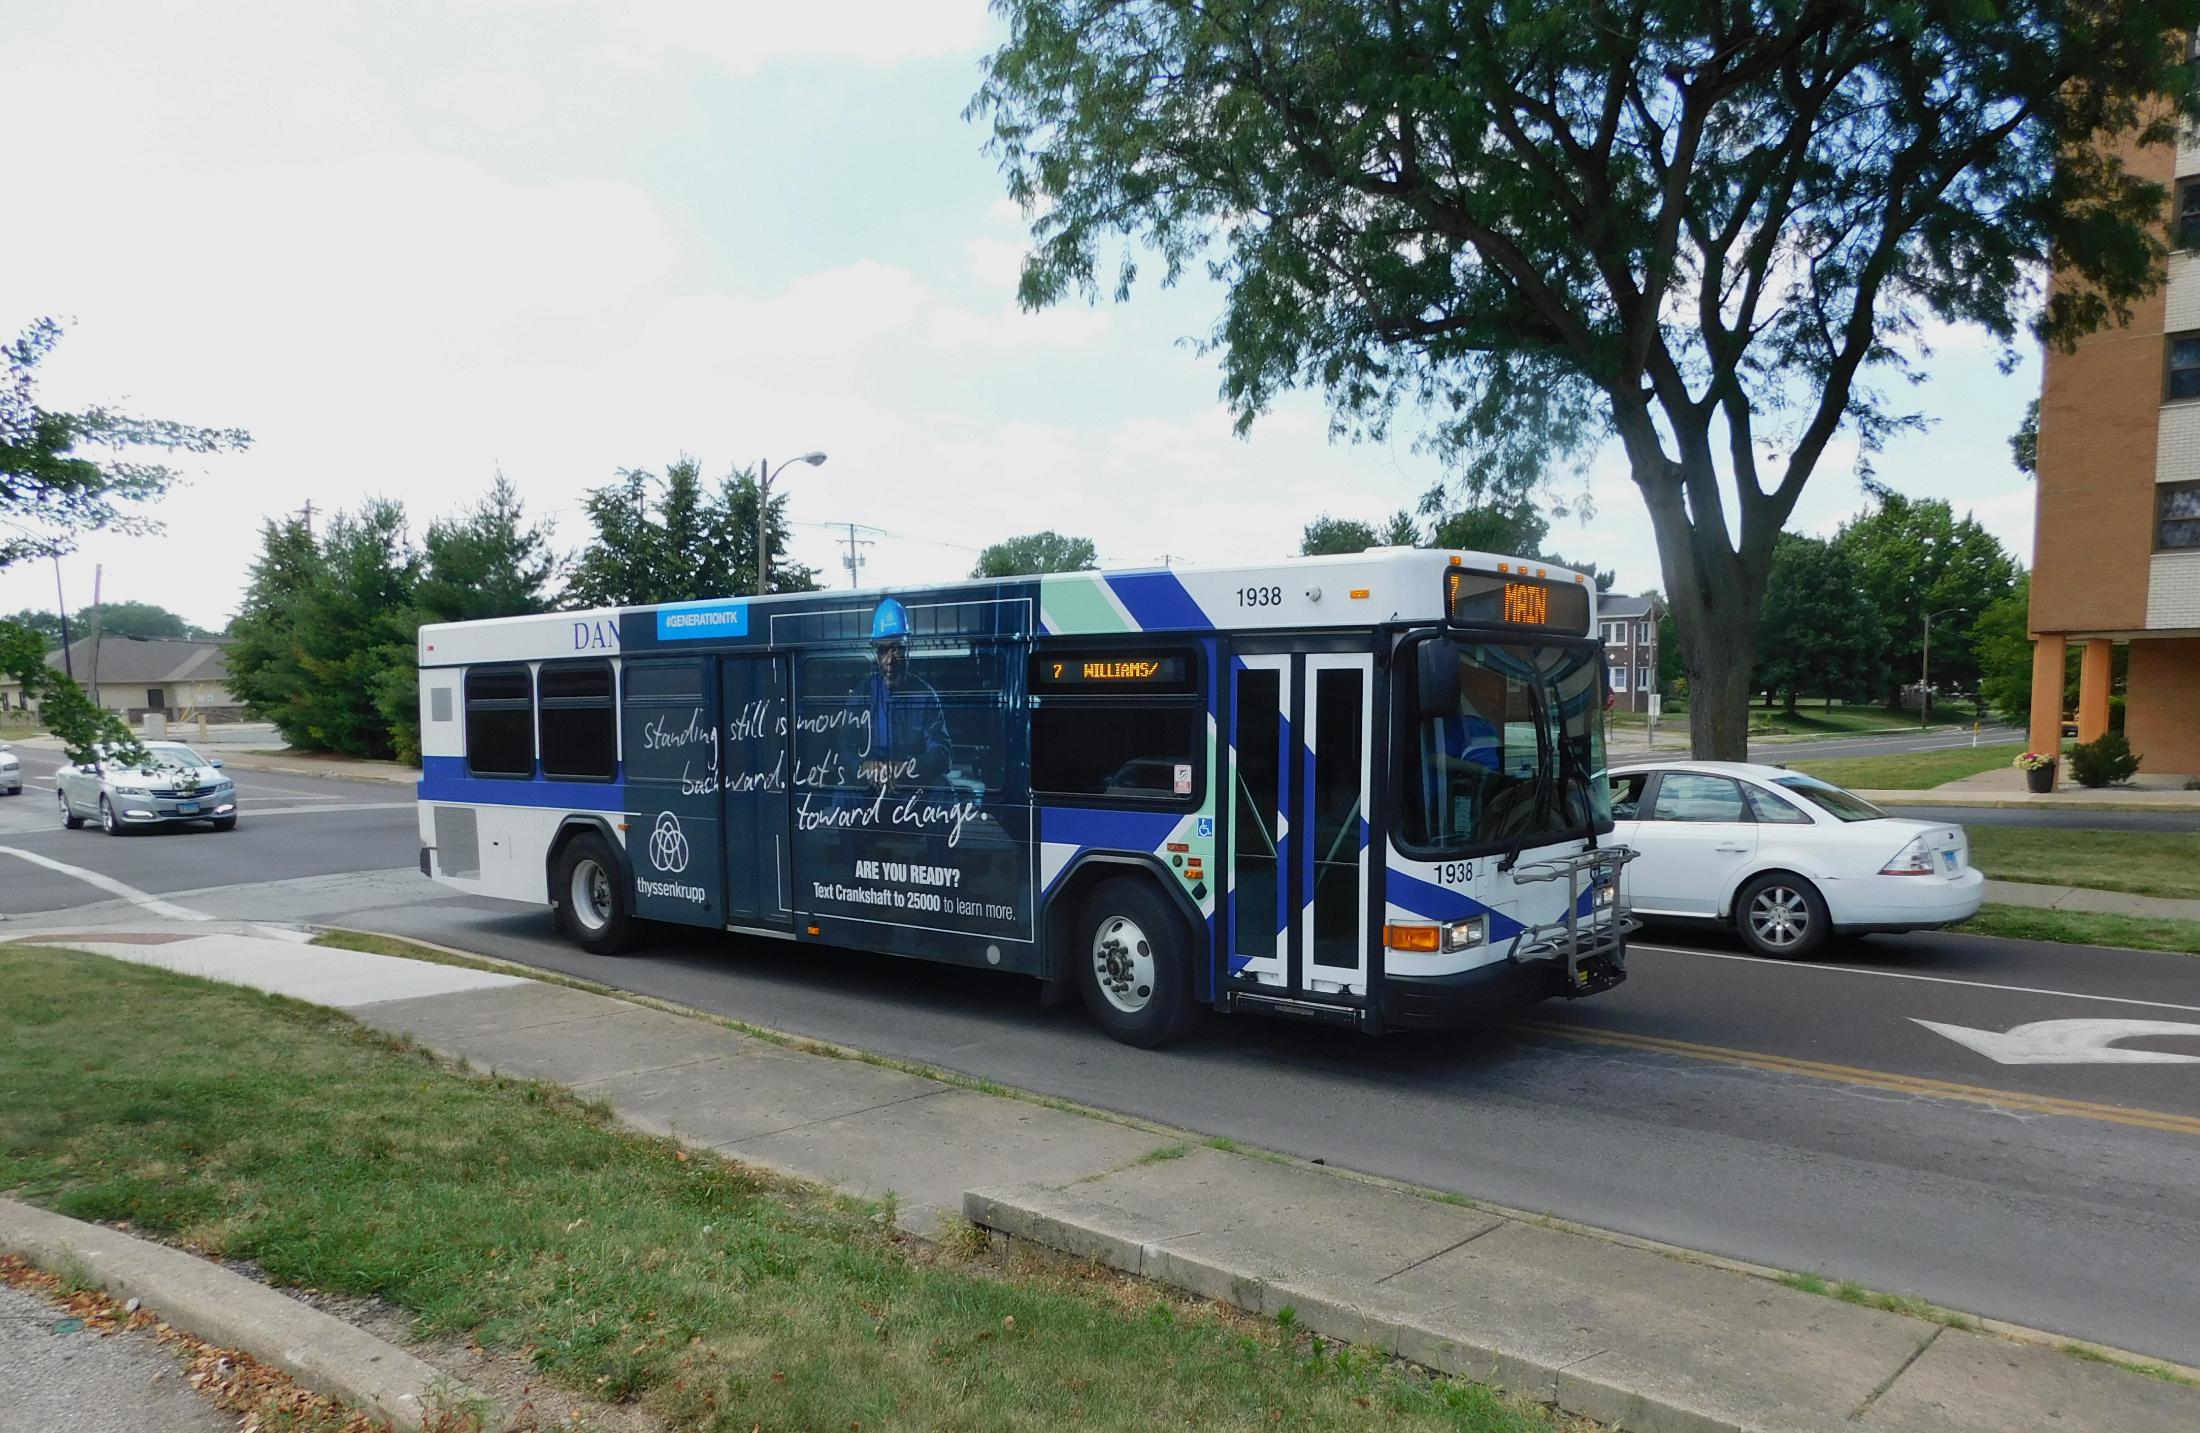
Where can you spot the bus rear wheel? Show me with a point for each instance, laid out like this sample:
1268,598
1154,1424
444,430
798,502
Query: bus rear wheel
1132,967
593,904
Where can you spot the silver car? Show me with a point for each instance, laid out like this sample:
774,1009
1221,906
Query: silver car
11,771
174,786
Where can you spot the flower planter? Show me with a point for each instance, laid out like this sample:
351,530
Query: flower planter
2041,780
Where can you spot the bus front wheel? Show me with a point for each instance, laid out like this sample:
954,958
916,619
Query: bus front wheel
593,904
1131,965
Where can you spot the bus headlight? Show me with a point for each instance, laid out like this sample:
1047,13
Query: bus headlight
1466,934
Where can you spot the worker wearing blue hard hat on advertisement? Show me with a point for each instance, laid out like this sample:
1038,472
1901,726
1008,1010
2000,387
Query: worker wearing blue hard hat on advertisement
909,742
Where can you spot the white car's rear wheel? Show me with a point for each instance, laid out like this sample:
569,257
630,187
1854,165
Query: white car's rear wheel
1783,916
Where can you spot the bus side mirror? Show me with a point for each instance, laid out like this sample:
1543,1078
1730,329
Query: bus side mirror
1436,678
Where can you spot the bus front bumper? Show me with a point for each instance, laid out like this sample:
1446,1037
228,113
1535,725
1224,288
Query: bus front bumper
1592,960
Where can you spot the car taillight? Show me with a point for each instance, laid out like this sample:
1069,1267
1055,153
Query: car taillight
1916,859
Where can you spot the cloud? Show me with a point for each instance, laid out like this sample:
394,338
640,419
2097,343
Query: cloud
745,35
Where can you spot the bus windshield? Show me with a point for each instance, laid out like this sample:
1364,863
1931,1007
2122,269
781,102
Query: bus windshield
1503,743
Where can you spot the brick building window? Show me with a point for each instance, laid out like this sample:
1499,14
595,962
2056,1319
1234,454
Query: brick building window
2177,516
2184,366
2188,214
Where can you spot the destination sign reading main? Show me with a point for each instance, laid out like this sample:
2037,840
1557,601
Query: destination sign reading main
1497,600
1144,670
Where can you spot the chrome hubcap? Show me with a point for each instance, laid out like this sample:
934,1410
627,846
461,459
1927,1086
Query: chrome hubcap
1122,960
591,894
1779,917
106,814
66,813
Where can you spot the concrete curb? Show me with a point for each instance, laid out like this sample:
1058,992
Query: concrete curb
1321,1313
1954,800
320,1351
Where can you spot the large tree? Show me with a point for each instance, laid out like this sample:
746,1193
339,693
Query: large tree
1713,230
1917,557
1820,634
64,474
1035,552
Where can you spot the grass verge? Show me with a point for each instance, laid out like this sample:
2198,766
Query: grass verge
251,1127
1913,771
2084,928
2144,863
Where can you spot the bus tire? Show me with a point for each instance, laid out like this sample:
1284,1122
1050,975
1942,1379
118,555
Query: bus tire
1132,967
594,907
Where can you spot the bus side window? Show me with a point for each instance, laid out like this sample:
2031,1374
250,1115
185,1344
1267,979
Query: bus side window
580,737
500,721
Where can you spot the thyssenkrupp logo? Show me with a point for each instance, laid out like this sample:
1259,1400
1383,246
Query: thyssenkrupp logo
668,845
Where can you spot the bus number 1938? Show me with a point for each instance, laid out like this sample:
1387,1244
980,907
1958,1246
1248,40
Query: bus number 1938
1260,596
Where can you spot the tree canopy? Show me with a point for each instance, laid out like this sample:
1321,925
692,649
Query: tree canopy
674,539
1714,232
1326,535
1821,635
1036,552
1914,557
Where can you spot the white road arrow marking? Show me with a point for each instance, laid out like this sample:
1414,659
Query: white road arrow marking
2070,1042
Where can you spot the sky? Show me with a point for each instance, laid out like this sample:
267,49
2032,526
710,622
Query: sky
409,244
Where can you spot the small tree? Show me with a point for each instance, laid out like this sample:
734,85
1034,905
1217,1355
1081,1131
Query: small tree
1036,552
674,540
63,475
1820,634
2002,639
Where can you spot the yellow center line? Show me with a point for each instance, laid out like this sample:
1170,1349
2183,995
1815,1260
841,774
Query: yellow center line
1879,1079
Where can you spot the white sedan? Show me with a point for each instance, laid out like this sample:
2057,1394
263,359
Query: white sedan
174,786
11,771
1785,859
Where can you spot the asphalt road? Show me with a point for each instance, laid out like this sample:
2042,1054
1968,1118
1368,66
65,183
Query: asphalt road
1893,744
1793,1115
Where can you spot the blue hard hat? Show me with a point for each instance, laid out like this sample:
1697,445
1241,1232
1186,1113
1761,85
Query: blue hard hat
890,623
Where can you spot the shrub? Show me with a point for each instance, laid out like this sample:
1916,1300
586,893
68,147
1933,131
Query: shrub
2108,761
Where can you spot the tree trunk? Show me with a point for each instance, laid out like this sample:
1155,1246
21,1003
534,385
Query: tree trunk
1715,595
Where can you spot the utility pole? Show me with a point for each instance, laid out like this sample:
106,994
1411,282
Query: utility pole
97,572
68,663
854,560
306,512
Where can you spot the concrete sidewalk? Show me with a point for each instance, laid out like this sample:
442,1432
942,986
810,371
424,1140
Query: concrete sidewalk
2077,898
1599,1325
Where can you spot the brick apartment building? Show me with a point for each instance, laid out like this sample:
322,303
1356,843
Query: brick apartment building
1631,648
2116,551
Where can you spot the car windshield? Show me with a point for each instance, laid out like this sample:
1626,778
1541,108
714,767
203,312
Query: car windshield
171,758
1846,805
1504,744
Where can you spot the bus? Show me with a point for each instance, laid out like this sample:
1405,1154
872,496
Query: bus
1365,789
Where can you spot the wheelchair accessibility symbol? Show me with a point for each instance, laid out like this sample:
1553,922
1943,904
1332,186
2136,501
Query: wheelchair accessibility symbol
1206,825
668,845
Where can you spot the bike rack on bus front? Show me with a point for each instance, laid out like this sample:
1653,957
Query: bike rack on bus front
1607,936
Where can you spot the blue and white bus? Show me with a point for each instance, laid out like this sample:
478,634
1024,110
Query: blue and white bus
1365,789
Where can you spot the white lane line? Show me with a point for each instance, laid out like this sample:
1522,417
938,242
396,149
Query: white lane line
1790,965
249,810
142,899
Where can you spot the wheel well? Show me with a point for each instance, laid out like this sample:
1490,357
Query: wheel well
1733,896
573,829
1058,928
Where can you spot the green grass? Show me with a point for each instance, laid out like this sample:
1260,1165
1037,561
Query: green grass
1912,772
2144,863
1814,719
251,1127
2084,928
2151,1370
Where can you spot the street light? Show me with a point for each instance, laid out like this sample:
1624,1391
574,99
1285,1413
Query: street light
763,513
1924,666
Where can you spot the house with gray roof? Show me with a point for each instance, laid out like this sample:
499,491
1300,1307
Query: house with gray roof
180,678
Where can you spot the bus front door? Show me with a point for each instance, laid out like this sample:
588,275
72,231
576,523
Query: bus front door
753,777
1300,780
